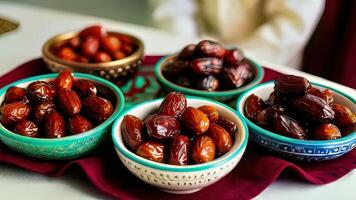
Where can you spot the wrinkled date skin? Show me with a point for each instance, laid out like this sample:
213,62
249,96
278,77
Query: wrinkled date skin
238,75
274,99
265,116
84,87
291,86
173,104
208,48
69,101
152,150
175,68
208,83
179,150
253,105
233,57
187,52
14,112
78,124
64,80
41,91
343,115
14,94
211,112
313,108
162,127
54,125
228,125
326,131
132,131
289,127
42,109
27,128
316,92
203,149
97,108
195,120
207,66
221,138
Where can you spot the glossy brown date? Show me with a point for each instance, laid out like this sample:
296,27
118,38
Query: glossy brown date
69,101
265,117
90,46
221,138
162,127
187,52
27,128
179,150
253,105
228,125
291,86
14,112
84,87
42,109
41,91
132,131
110,43
67,53
173,104
211,112
152,150
54,125
238,75
326,131
343,115
208,48
64,80
176,68
207,66
208,83
78,124
96,31
97,108
289,127
195,120
233,57
14,94
203,149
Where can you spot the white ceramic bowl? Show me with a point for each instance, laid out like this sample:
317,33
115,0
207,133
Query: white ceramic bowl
181,179
302,150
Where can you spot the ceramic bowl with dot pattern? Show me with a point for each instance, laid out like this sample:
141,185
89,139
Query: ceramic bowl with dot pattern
181,179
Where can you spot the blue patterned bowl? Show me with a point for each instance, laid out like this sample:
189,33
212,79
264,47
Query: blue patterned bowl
217,95
67,147
181,179
303,150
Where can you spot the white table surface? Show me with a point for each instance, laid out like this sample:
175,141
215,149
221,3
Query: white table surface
39,24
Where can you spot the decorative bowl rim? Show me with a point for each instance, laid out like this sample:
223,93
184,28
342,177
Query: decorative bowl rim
164,81
119,108
189,168
316,143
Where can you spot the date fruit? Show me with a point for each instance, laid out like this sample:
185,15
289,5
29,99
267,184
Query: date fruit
84,87
265,117
208,83
238,75
69,101
179,150
329,96
291,86
211,112
228,125
173,104
27,128
14,112
316,92
289,127
64,80
187,52
78,124
96,31
195,120
313,108
203,149
102,57
66,53
132,131
221,138
54,125
41,91
253,105
74,42
176,68
97,108
233,57
343,115
326,131
208,48
207,66
90,46
111,43
42,109
152,150
14,94
162,127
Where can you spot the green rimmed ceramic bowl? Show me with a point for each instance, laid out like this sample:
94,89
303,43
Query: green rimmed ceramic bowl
302,150
181,179
217,95
70,146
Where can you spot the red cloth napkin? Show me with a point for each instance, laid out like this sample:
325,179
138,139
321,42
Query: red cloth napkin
255,172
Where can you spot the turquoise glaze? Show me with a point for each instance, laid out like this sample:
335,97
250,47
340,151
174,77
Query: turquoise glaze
66,147
308,150
173,168
218,96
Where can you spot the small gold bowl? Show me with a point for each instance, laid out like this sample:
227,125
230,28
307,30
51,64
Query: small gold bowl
115,70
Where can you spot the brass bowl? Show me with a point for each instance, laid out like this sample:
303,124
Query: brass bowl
114,70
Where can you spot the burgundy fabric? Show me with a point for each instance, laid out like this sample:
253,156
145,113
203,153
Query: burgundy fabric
255,172
331,51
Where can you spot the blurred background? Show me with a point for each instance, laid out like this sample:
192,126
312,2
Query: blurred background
315,36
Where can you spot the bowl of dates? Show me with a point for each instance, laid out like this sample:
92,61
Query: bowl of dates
180,144
111,55
208,70
299,119
58,116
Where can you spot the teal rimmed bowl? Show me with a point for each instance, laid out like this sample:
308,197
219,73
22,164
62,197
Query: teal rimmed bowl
70,146
217,95
181,179
303,150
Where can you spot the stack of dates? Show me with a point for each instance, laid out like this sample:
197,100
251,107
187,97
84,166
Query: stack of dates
179,135
54,109
209,66
298,110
